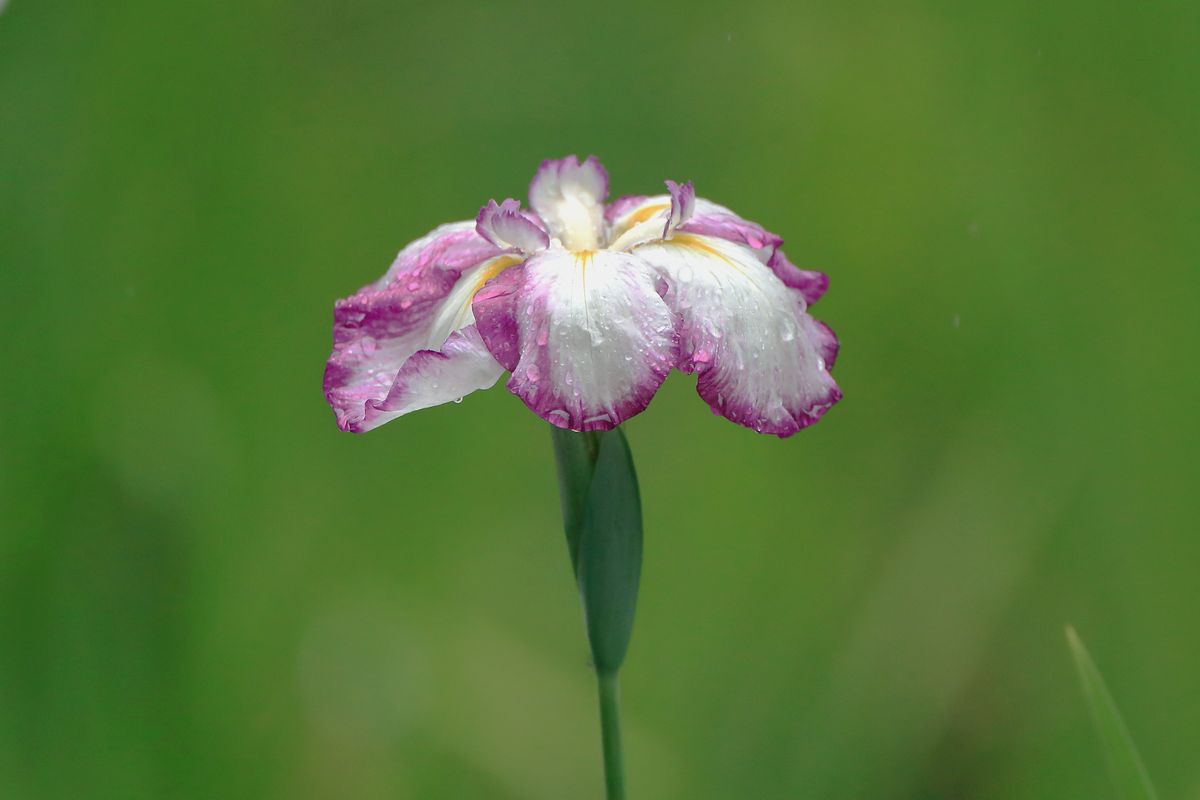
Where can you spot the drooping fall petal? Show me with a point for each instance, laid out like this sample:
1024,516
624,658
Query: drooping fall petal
416,306
761,360
587,336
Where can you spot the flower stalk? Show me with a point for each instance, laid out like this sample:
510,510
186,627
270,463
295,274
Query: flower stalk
610,734
602,519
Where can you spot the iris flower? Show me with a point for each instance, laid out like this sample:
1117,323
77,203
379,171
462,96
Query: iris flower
589,306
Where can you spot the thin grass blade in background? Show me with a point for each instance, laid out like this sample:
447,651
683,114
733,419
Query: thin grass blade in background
1124,763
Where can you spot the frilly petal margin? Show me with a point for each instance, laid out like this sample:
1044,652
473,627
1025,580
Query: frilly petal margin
378,329
587,336
761,360
811,284
826,342
454,245
710,219
506,227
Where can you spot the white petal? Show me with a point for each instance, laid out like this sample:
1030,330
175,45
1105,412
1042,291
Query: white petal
586,335
569,197
417,307
639,223
455,311
757,352
430,378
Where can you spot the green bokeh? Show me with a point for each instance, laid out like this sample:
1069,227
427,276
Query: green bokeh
207,591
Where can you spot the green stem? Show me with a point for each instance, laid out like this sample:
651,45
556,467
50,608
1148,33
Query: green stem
610,733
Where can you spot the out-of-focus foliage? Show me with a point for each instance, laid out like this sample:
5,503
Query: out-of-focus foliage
207,591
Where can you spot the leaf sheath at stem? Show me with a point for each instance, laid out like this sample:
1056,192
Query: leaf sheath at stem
602,519
575,461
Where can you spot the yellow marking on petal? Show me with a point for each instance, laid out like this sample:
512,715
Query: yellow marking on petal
582,259
641,215
697,244
487,271
493,268
645,213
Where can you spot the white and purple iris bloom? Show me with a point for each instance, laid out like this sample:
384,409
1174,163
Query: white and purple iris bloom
589,306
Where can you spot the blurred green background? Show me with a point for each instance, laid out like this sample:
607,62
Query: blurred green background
207,591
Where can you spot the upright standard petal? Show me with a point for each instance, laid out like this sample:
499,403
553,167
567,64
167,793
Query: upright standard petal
416,307
761,360
586,335
569,197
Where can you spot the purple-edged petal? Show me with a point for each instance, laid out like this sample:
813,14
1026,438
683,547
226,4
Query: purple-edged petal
586,335
569,198
422,300
826,342
711,219
761,360
811,284
507,228
455,245
432,377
